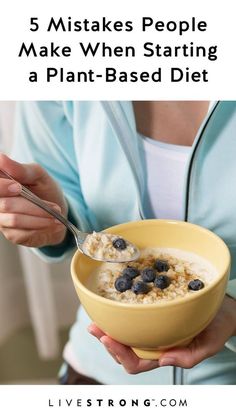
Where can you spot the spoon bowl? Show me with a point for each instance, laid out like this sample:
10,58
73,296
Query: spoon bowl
101,255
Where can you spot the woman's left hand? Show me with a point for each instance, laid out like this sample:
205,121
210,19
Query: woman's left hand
210,341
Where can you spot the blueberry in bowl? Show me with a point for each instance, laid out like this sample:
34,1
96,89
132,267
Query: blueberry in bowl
123,283
161,265
131,272
162,282
148,275
195,285
140,287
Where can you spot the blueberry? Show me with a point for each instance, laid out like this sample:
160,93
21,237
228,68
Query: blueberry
131,272
195,285
140,287
161,265
123,283
148,275
162,282
119,244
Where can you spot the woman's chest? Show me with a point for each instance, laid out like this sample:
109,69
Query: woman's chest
175,122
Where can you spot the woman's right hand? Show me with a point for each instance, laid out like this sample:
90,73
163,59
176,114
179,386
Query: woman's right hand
22,222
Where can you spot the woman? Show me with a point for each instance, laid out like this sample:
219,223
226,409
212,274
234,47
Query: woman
93,149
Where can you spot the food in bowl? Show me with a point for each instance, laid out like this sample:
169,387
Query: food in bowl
158,275
108,247
150,329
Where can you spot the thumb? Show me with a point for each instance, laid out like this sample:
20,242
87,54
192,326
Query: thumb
23,173
199,349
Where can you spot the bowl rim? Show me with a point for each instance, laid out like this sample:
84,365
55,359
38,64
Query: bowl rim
160,303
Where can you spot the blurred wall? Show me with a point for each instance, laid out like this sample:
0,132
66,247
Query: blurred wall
31,291
14,311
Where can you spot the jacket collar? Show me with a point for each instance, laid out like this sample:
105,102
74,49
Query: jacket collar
121,117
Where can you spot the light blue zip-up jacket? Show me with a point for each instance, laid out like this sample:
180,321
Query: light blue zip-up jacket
92,150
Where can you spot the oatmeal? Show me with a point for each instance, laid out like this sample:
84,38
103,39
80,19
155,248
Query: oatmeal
108,246
159,274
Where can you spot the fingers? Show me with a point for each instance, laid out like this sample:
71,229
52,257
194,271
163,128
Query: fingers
183,357
95,331
25,222
34,238
9,188
24,173
123,354
186,357
202,347
19,205
18,213
98,333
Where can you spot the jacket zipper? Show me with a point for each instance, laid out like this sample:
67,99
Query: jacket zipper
196,145
178,373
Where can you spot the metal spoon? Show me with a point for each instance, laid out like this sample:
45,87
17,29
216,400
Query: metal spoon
79,236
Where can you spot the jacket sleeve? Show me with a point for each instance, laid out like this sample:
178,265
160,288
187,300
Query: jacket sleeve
231,291
44,134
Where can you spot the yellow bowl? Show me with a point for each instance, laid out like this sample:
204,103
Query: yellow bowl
151,328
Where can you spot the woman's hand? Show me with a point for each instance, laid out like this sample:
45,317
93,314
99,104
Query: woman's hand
206,344
22,222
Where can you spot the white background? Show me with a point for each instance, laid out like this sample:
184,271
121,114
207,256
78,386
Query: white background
14,29
33,401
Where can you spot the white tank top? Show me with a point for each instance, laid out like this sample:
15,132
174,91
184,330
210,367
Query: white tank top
166,165
165,174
